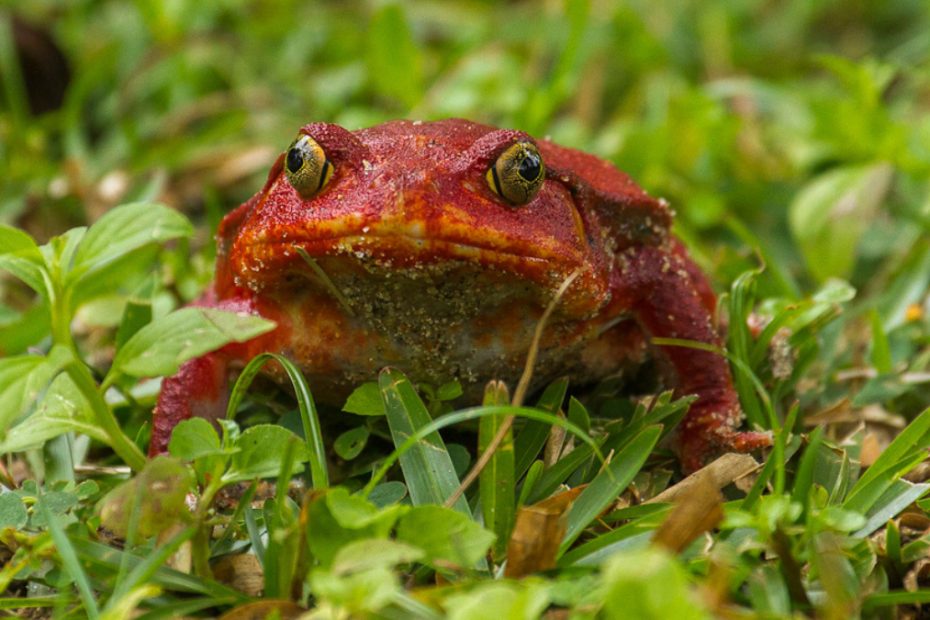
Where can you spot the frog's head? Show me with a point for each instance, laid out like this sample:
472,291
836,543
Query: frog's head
440,210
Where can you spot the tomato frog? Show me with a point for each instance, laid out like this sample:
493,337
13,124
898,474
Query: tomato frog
435,247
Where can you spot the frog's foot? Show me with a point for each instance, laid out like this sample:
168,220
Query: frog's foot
696,449
199,389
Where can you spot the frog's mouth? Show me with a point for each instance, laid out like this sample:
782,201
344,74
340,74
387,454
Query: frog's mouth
445,276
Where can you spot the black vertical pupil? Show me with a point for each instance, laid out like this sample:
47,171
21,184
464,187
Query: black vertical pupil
529,167
295,159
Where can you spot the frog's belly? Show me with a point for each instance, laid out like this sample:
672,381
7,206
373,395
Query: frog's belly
337,352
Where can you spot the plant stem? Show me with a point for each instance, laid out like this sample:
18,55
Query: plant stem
103,416
200,543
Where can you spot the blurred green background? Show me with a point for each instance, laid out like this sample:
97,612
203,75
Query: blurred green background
792,133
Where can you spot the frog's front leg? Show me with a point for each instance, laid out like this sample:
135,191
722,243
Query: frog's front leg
201,386
670,299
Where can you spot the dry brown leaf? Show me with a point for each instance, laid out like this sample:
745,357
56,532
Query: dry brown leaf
698,509
259,610
918,578
871,449
537,534
720,473
241,571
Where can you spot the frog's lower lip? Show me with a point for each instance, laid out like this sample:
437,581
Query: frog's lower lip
410,249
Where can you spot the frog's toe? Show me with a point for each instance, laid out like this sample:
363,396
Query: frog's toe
697,450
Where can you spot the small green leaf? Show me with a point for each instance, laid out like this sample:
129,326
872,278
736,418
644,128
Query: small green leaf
194,438
159,348
351,443
508,600
365,400
649,583
449,391
334,519
156,496
446,536
136,315
20,256
370,553
387,493
22,379
12,511
260,452
62,410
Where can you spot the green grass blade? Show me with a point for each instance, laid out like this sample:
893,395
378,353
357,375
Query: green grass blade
427,467
635,534
313,433
101,556
899,495
496,483
609,483
742,298
914,438
534,435
887,599
559,473
69,560
466,415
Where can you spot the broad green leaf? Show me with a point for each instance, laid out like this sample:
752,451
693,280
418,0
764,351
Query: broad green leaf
156,496
22,379
393,58
260,452
497,484
162,346
428,469
609,483
445,535
649,584
365,400
833,211
124,229
62,410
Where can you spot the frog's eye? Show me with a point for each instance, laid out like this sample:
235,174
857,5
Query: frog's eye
518,173
306,166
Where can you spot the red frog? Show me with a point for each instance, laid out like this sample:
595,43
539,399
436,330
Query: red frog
436,247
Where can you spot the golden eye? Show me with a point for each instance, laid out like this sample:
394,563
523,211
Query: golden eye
306,166
518,173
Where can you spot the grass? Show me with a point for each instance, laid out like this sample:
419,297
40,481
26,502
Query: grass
793,141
